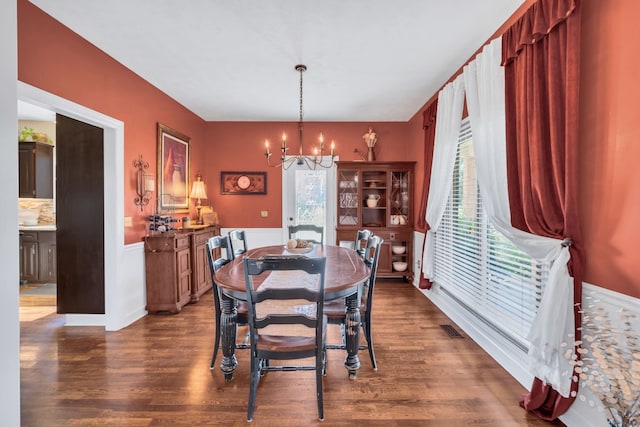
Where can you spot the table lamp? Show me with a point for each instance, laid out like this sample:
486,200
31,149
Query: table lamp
198,192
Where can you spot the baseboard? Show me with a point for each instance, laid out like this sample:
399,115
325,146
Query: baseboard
84,319
128,319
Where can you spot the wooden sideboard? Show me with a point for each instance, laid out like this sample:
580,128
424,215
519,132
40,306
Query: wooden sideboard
177,269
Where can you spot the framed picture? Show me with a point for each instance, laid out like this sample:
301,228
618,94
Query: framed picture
173,170
243,183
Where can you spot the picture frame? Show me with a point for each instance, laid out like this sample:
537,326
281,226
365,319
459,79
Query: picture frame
243,182
173,170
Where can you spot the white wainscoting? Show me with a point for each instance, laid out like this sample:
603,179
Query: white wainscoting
125,299
511,357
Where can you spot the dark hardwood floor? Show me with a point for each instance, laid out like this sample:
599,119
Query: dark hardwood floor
156,373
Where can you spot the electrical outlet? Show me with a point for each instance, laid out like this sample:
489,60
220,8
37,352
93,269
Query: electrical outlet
264,214
128,221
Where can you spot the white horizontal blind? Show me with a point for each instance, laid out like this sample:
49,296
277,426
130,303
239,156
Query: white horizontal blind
478,266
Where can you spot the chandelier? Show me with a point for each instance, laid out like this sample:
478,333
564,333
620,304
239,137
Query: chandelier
311,161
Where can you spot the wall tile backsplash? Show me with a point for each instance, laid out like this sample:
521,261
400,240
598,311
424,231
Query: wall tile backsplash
45,206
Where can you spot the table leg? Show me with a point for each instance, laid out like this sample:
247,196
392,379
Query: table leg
352,332
228,320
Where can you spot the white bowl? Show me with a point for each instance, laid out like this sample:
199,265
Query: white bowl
398,250
399,266
298,251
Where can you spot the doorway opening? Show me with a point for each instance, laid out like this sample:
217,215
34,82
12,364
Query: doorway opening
117,268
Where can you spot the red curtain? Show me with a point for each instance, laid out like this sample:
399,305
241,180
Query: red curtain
429,124
541,56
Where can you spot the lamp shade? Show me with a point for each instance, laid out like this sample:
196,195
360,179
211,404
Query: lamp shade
197,189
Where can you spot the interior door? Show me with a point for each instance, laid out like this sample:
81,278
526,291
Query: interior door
79,216
309,197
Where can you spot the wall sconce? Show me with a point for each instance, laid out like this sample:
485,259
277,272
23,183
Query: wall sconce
145,183
198,192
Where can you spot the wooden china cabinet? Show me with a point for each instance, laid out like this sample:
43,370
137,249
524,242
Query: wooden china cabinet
378,196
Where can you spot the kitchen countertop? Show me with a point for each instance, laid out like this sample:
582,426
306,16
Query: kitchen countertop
40,227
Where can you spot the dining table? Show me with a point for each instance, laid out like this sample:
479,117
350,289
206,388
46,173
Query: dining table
345,274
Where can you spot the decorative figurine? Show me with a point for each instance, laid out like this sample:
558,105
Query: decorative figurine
370,138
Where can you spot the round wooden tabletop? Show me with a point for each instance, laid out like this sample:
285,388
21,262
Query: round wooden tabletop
345,270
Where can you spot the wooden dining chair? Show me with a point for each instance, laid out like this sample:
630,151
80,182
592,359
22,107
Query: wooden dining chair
302,231
215,245
335,310
276,318
238,240
361,241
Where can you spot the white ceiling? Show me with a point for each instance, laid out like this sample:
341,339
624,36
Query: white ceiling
368,60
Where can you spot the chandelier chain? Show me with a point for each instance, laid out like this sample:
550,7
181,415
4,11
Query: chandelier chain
301,69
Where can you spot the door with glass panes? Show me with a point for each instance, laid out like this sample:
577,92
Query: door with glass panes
308,197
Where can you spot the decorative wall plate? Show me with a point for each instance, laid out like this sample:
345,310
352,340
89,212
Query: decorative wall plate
243,183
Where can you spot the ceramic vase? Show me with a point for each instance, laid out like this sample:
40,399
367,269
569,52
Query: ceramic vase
371,155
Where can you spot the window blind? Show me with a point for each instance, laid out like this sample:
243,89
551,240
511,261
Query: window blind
477,265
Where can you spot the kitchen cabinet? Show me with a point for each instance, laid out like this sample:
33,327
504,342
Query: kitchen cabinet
378,196
47,270
35,165
177,269
38,256
29,256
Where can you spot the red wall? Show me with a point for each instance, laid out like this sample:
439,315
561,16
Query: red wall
610,144
58,61
239,146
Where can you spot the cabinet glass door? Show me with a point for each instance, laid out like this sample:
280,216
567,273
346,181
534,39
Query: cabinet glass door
348,199
399,194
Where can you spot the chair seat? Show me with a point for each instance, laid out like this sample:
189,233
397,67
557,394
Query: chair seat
285,343
298,338
336,309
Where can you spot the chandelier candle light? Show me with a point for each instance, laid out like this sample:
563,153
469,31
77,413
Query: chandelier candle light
300,159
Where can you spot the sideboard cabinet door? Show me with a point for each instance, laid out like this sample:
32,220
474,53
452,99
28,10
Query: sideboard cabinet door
168,271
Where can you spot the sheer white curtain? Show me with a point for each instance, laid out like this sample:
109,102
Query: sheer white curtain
484,82
450,104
